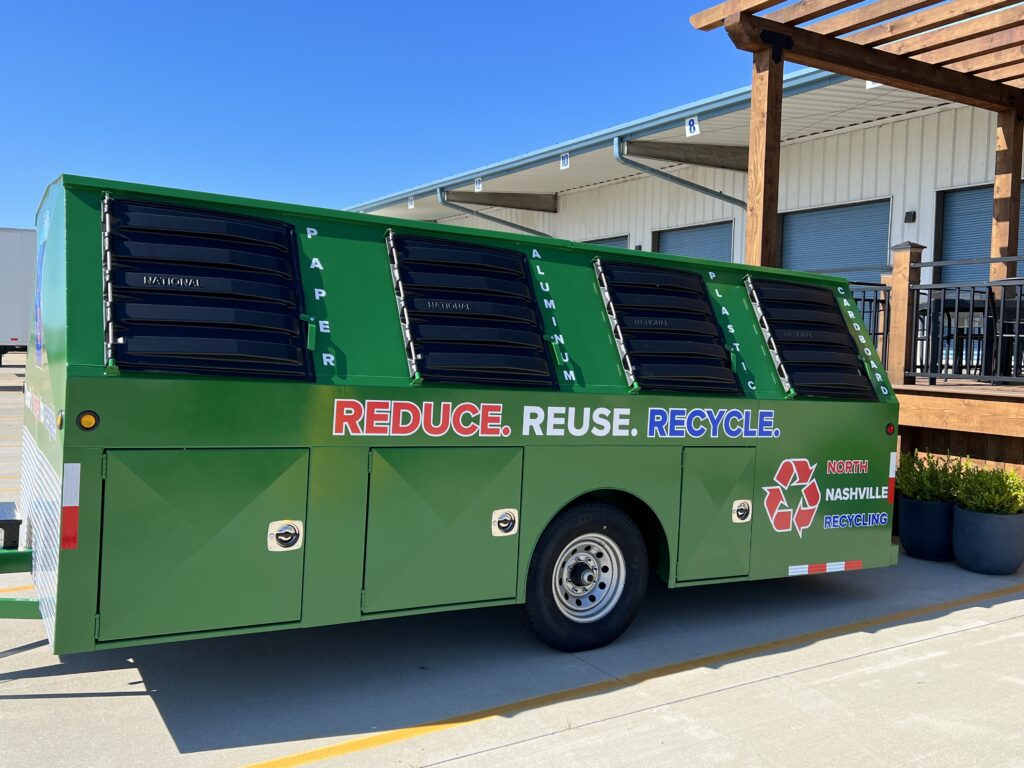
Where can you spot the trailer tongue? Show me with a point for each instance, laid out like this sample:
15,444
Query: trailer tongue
17,561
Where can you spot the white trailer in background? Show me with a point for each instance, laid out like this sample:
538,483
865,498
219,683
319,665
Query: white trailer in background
17,287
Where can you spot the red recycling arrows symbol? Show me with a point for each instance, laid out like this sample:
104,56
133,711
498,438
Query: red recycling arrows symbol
792,473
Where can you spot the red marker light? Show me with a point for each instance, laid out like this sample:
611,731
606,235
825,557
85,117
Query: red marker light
890,429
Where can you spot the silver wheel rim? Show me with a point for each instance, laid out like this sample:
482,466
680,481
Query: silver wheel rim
588,578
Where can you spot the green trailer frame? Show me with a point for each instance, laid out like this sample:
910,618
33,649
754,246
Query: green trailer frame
152,525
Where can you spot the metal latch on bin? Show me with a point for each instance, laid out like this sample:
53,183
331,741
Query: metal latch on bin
504,522
284,535
741,510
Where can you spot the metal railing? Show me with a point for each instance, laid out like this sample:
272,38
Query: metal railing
968,330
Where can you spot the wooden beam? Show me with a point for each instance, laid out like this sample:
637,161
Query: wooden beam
1018,83
906,271
807,10
708,155
989,61
932,18
762,233
990,43
526,201
714,17
1006,193
866,15
814,50
1003,74
955,33
952,409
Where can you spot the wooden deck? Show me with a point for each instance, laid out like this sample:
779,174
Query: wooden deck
965,388
964,418
963,407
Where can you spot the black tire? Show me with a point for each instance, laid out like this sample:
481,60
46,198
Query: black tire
546,613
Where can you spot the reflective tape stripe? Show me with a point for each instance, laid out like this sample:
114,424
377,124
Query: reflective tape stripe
69,506
833,567
69,527
72,485
892,477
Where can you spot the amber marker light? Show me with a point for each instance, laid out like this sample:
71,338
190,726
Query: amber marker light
87,420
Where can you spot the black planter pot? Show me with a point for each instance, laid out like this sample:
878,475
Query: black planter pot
985,543
926,529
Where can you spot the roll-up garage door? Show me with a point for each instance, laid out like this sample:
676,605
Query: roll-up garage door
967,233
706,241
612,242
847,240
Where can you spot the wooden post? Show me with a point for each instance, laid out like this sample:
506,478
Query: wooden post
906,270
762,235
1006,193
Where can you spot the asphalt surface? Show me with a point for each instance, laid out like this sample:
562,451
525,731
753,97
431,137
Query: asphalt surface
917,665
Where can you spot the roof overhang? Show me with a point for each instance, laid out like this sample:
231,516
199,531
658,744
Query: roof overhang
816,102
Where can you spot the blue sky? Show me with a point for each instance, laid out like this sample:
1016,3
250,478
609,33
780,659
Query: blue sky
328,103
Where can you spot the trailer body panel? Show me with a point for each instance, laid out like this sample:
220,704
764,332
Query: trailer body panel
310,338
714,538
185,540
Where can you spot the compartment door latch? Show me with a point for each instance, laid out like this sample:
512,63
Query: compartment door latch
741,510
504,522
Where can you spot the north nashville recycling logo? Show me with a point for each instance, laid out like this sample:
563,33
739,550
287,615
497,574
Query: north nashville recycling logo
792,473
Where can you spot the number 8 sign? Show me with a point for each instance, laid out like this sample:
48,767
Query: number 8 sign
692,127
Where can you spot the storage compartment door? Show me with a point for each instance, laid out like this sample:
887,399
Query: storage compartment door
429,534
714,539
186,545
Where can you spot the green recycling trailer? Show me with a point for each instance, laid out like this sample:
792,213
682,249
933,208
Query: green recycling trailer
244,416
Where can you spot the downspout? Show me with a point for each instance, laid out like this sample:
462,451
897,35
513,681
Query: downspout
442,198
618,144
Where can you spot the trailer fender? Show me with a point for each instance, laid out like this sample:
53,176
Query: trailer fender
631,478
641,513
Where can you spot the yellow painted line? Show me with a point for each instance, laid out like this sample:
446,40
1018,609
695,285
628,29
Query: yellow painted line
15,589
363,743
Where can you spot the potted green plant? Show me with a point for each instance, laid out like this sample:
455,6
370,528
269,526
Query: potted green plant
927,486
988,523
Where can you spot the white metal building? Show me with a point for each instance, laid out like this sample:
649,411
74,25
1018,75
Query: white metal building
862,168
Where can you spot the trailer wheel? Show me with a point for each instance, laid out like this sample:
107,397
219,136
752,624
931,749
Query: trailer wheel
587,578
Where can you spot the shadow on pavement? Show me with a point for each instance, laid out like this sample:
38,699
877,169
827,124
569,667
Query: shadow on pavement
381,675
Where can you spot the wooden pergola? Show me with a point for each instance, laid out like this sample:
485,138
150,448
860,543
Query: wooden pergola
965,51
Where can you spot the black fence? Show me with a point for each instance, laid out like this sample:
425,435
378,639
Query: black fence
969,331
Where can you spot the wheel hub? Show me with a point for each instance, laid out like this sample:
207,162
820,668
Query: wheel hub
581,574
588,577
